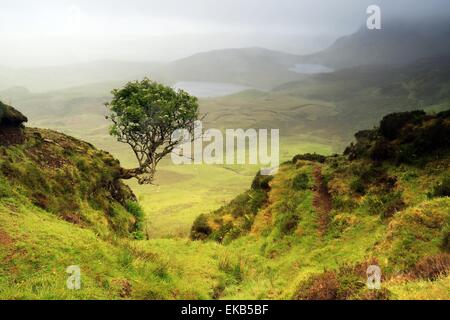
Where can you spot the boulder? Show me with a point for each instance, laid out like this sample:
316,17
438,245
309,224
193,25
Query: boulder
11,125
10,116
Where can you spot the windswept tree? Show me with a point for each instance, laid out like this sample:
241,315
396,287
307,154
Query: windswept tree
144,115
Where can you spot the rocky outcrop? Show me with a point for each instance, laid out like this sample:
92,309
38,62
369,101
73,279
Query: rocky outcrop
11,125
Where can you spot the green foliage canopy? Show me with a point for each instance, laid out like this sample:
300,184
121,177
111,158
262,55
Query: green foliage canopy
144,115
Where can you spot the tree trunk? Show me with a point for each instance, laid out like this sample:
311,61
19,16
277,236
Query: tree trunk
143,176
130,173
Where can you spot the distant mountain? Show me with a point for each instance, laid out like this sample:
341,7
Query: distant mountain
397,43
255,67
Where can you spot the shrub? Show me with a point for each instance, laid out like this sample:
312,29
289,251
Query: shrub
162,269
200,229
348,282
391,124
442,189
381,150
432,267
374,204
446,242
343,203
231,266
339,223
407,153
135,209
380,294
218,289
261,182
9,170
226,230
119,220
125,259
309,157
300,182
5,189
256,200
357,186
34,179
288,223
40,200
82,165
322,286
243,209
138,235
393,203
386,205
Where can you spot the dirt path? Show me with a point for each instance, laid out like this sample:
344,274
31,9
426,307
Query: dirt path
321,200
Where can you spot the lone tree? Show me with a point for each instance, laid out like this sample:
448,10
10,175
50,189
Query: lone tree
144,115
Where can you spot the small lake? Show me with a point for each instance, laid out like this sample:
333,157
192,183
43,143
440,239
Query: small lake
203,89
310,68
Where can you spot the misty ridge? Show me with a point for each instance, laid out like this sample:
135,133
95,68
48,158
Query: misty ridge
399,42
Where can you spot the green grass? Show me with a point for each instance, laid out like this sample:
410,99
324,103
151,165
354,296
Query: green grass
40,247
182,192
269,262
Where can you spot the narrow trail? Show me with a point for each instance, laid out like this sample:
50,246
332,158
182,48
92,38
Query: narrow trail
321,201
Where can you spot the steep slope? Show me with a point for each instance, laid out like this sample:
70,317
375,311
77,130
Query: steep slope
68,178
61,204
321,221
397,43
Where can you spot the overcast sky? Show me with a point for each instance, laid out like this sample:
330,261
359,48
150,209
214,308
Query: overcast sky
49,32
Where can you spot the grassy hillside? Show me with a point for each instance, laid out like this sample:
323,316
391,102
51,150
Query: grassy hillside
68,178
318,224
308,232
61,204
